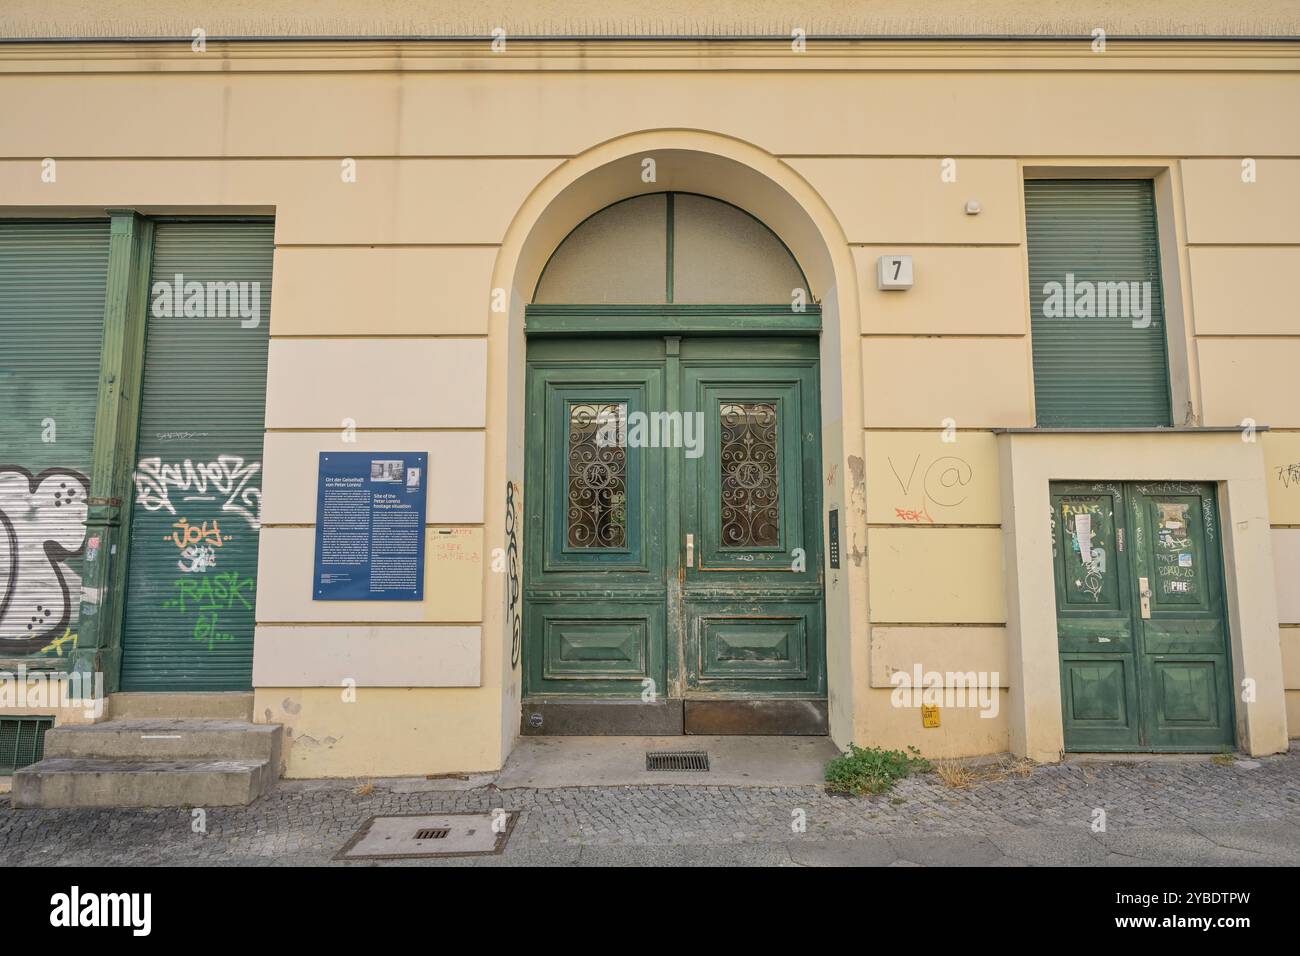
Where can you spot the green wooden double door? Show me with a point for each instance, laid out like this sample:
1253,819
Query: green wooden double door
673,545
1141,620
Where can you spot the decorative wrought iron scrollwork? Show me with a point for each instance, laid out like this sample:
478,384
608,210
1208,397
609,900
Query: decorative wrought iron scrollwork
597,478
751,513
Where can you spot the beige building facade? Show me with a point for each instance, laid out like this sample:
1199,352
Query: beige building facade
418,188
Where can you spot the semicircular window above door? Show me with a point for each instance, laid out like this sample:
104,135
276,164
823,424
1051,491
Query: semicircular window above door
670,249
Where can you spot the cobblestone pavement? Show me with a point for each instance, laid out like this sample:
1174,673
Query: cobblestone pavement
1176,812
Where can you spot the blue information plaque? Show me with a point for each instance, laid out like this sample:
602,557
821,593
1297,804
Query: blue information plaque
370,509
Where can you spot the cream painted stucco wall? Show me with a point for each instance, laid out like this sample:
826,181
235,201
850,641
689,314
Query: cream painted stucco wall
472,165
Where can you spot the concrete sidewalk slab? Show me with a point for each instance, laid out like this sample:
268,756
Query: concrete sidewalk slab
547,762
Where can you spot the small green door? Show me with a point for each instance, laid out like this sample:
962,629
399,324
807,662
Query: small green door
683,558
1141,619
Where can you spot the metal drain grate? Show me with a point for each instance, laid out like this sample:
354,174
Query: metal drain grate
696,760
422,836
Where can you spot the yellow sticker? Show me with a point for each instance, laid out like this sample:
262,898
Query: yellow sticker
929,716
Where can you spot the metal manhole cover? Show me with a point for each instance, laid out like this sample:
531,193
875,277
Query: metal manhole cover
697,760
428,835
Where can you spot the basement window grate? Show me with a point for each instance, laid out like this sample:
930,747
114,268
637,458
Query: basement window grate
22,741
432,833
697,760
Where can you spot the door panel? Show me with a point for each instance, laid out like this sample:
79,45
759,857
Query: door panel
595,646
1183,644
752,585
594,588
1135,674
1099,682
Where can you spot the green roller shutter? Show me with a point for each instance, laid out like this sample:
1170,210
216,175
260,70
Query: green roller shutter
1098,312
198,476
52,283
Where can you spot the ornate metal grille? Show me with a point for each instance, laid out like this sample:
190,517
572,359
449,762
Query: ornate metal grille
597,479
751,516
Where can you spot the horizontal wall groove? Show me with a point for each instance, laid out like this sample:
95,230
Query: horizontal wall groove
328,429
428,525
1244,245
944,624
372,336
927,524
458,624
388,245
943,335
872,243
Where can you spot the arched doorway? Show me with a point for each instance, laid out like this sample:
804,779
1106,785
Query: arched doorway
673,531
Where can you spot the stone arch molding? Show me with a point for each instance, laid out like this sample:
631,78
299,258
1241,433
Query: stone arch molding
746,176
690,161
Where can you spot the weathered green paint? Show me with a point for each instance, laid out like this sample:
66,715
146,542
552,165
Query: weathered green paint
1092,369
116,419
1128,682
586,321
197,479
737,621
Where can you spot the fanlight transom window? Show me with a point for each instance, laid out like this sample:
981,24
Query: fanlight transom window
671,248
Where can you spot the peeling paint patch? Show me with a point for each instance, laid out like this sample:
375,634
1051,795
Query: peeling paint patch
291,706
857,472
858,500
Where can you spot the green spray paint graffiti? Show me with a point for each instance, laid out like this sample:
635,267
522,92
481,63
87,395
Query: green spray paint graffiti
207,596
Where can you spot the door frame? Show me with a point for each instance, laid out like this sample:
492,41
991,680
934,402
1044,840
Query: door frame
671,323
1128,519
1031,458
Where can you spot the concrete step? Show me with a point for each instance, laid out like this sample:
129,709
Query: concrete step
233,705
89,782
166,739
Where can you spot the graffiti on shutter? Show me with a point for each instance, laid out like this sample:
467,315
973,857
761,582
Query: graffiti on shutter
42,525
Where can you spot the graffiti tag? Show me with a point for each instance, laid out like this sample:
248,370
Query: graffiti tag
42,525
229,477
206,598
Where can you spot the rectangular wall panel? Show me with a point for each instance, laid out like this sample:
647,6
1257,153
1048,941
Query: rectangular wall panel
936,575
1222,207
956,290
383,290
919,478
917,383
389,656
407,383
946,650
1255,379
909,200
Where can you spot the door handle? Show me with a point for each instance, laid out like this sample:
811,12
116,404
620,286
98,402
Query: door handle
690,550
1144,593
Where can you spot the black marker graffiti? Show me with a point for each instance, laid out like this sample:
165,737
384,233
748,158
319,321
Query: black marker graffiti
512,571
